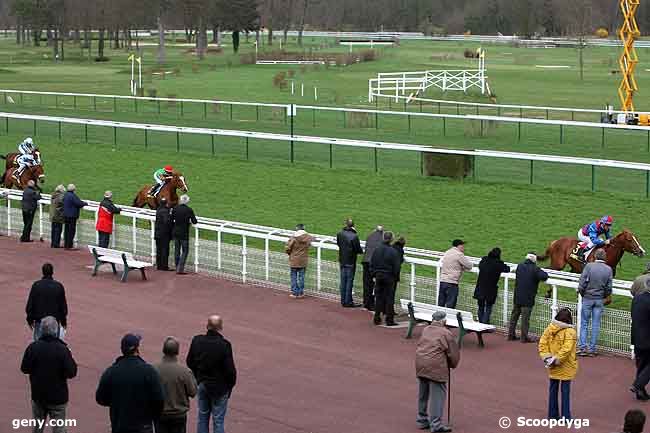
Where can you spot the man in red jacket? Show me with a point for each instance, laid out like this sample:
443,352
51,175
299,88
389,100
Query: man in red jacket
105,214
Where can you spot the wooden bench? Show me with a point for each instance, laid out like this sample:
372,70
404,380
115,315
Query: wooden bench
463,320
115,257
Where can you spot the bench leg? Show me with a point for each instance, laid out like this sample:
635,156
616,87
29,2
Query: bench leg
113,266
481,344
97,265
144,276
125,274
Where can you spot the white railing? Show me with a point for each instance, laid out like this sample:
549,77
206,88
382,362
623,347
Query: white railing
257,258
639,166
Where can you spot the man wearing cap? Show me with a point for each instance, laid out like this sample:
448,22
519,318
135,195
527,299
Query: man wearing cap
436,354
385,266
453,264
349,248
373,240
161,177
163,234
132,390
105,214
30,199
182,217
528,277
71,206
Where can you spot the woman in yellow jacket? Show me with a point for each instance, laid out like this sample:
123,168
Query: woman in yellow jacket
557,348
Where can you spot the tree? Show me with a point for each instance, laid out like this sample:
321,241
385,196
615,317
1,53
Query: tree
242,16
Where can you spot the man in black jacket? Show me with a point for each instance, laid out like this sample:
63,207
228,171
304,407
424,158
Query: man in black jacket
163,235
373,240
31,196
49,364
210,359
47,298
385,267
641,335
349,248
527,281
132,389
182,217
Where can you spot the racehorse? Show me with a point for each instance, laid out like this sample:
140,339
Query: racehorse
11,158
168,191
559,251
35,173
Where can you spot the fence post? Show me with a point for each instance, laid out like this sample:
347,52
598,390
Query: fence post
230,111
331,160
8,217
74,101
96,215
114,105
205,110
178,141
409,119
647,184
376,167
247,153
196,249
95,103
554,307
134,237
602,140
437,282
34,132
212,143
531,172
593,178
243,259
318,269
412,283
219,249
86,131
266,258
60,131
159,107
40,220
146,138
135,104
561,135
114,136
505,301
153,241
444,126
7,125
182,109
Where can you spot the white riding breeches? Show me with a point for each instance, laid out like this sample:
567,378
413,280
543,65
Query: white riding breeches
584,238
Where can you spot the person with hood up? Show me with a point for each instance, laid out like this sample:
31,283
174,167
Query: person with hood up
489,271
640,333
298,250
557,348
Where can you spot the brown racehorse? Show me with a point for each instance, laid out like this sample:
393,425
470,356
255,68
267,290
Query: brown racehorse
559,251
35,173
10,158
168,191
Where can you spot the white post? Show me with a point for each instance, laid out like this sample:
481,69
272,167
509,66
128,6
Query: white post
318,268
316,93
302,89
396,89
444,80
505,301
404,83
579,315
132,74
140,73
8,217
134,236
243,259
96,232
266,258
219,249
40,220
153,241
292,87
412,284
554,303
437,281
196,249
464,81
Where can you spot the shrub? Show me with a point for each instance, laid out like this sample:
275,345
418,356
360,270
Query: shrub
247,59
469,54
368,55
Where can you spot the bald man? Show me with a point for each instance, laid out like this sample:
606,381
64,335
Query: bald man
210,359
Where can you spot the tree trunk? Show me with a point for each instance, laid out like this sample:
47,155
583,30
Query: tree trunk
37,38
116,42
100,45
302,21
87,38
235,40
50,38
55,45
161,40
77,36
215,35
202,38
270,41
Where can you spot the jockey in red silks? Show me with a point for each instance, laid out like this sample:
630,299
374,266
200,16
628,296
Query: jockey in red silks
589,237
161,176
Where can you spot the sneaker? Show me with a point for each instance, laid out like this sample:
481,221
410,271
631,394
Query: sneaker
442,429
582,352
640,394
293,296
423,426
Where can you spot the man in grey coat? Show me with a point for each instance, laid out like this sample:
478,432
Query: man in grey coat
595,286
31,196
372,242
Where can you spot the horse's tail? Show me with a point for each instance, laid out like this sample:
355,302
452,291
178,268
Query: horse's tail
3,156
547,253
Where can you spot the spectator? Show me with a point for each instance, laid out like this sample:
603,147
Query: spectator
132,390
71,206
49,364
399,245
182,216
490,269
210,359
374,239
56,216
298,251
641,334
557,348
595,287
453,264
163,234
385,265
47,298
31,196
349,248
634,421
179,385
436,354
642,282
105,215
527,280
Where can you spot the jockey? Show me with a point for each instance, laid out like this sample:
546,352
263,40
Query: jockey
161,176
26,157
589,237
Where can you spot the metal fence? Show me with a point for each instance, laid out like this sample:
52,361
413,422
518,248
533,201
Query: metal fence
253,254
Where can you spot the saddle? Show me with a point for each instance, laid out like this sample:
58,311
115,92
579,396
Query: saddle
578,253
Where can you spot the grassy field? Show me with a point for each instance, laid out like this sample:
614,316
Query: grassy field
257,184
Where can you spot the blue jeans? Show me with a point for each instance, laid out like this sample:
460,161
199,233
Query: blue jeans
484,311
298,281
211,406
448,295
591,309
347,280
553,391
